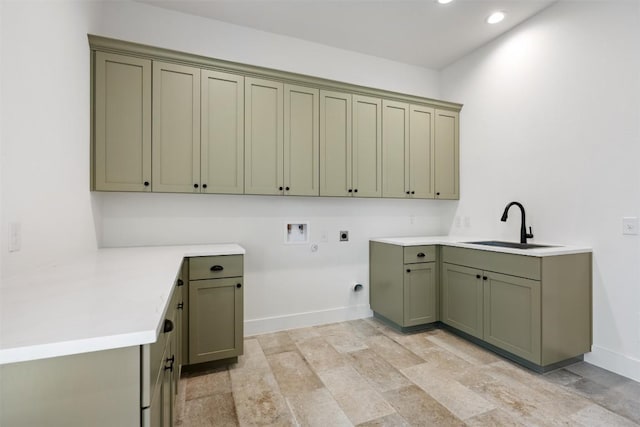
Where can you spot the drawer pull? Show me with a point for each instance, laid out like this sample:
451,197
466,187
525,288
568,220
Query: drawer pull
408,270
180,282
239,285
168,326
421,255
217,268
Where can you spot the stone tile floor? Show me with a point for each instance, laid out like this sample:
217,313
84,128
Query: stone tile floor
366,374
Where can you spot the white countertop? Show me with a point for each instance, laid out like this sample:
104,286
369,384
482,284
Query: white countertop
462,242
106,299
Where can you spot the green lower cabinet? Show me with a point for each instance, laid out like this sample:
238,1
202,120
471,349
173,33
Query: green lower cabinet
215,319
419,294
536,309
512,315
462,300
403,282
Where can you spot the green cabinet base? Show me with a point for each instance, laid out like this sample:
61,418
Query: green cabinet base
507,355
405,329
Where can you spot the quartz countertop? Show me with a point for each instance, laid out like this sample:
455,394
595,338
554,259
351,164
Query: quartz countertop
105,299
462,242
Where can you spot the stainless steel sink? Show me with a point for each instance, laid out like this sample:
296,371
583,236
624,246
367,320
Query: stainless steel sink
513,245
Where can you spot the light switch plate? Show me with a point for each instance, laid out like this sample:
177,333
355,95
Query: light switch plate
630,225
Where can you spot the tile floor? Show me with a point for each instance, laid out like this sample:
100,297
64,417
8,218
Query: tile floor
366,374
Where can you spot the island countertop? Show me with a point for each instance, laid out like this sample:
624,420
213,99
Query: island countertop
464,242
105,299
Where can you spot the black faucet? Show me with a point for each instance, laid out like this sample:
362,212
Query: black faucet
523,229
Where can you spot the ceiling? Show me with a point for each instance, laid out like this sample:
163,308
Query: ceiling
418,32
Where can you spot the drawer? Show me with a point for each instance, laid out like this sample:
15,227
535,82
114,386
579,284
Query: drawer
215,267
416,254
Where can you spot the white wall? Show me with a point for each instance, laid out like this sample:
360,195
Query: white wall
46,162
45,132
551,118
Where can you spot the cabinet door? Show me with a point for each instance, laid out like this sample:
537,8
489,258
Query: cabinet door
421,152
301,141
222,140
335,144
215,319
512,315
420,294
367,147
462,299
447,155
122,123
176,128
395,153
263,132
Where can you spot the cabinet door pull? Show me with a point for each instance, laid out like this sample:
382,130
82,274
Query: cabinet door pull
355,191
168,326
286,188
408,270
350,190
421,255
484,277
217,268
204,185
170,361
146,183
239,285
408,192
195,185
477,276
413,192
180,282
280,188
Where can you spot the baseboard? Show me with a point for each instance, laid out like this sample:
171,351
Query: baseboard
302,320
614,362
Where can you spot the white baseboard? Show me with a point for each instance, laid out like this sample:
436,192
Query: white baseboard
614,362
302,320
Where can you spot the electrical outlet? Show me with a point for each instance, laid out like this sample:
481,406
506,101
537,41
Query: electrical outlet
344,236
630,225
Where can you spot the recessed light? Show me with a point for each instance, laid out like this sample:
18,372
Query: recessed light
495,17
444,1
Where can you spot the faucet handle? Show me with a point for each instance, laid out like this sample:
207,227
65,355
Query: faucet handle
530,233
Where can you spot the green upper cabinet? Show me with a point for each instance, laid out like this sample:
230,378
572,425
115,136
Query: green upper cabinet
408,150
301,141
122,123
263,136
447,154
366,172
335,143
167,121
222,138
176,128
281,139
395,138
420,158
350,145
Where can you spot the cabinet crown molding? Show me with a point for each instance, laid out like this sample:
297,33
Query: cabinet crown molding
105,44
